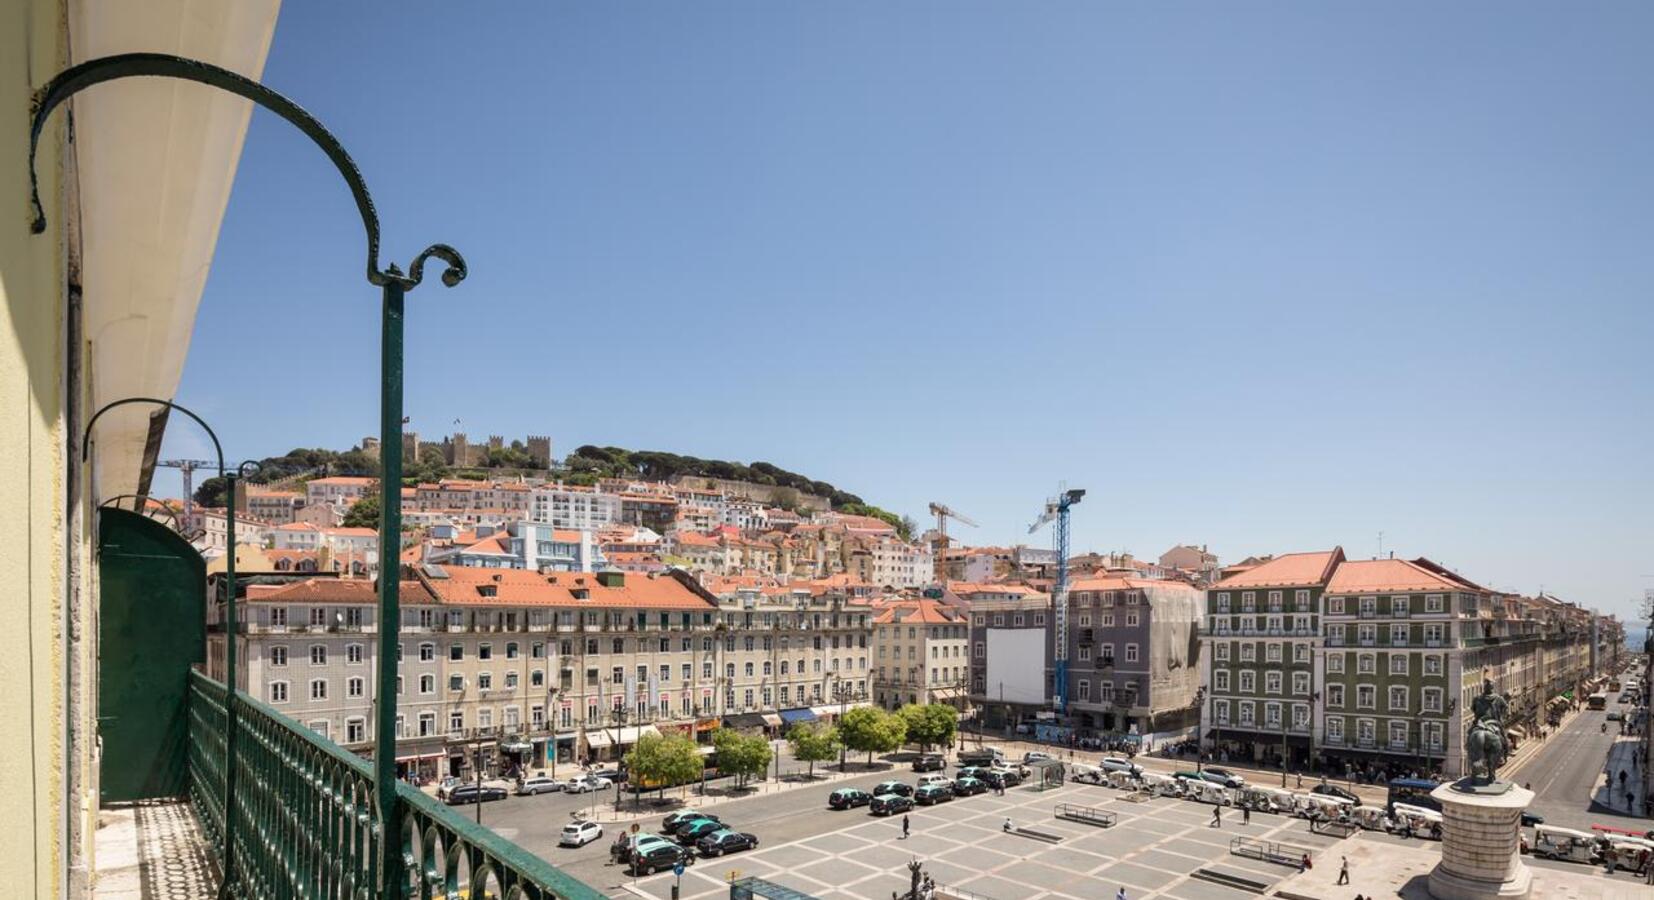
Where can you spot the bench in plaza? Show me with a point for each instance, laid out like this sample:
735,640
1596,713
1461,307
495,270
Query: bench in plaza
1045,836
1230,879
1269,851
1087,815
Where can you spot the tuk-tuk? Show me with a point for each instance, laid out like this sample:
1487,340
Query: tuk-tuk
1372,818
1322,806
1085,774
1628,852
1416,820
1262,799
1162,785
1552,842
1206,792
1123,780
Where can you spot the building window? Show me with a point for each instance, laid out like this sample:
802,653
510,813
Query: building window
1366,731
1398,734
511,650
1131,620
1335,606
356,731
456,652
1366,696
278,656
485,651
1431,700
1366,664
1248,681
278,692
1246,713
456,722
1335,696
1220,709
354,687
353,654
318,655
1398,664
1398,606
1084,692
1272,682
1335,663
1220,652
1300,653
427,652
1131,653
1398,698
1398,635
1249,652
1220,680
1433,735
1272,716
1272,652
1335,729
427,684
1433,603
456,683
318,689
1300,683
1432,664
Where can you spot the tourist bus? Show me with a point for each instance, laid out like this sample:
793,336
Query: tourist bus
1412,792
1598,700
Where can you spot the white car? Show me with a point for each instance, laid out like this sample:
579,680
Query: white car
587,784
1118,764
1034,755
538,784
579,834
927,780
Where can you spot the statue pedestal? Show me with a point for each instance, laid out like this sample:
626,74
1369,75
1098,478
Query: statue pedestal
1481,845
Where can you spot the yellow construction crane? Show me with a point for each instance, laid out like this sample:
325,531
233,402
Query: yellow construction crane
943,514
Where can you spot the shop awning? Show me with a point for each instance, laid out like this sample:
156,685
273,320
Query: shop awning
833,709
517,746
771,719
794,716
706,724
744,720
602,737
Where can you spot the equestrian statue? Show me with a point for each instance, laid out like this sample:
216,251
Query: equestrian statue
1485,741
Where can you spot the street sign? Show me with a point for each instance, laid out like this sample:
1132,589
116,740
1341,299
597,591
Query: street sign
677,869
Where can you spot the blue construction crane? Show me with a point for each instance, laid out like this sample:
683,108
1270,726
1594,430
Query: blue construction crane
1057,508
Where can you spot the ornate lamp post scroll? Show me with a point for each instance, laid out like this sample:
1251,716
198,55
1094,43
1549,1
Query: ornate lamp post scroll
394,285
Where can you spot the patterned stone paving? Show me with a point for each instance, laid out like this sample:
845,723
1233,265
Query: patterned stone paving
1151,852
152,851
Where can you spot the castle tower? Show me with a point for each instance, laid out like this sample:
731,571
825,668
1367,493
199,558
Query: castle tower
539,451
370,447
459,450
496,442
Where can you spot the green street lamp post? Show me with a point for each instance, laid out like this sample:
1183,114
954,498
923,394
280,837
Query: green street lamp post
394,285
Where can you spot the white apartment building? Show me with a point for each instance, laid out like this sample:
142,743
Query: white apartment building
921,648
337,490
579,509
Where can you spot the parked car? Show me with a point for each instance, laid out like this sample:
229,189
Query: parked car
649,858
1224,777
844,798
966,787
901,788
538,784
683,817
688,834
931,794
972,772
930,762
885,804
1001,778
1034,755
1333,790
1120,764
1615,716
1529,819
613,775
985,756
579,834
583,784
725,841
626,844
928,780
470,793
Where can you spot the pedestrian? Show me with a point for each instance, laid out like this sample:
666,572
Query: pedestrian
1120,894
1305,864
1301,779
1344,870
905,826
1217,817
1246,815
1007,823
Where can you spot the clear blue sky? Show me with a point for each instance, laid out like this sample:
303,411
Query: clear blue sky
1270,277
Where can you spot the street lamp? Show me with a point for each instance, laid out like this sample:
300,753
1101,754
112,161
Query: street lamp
1200,709
842,693
394,285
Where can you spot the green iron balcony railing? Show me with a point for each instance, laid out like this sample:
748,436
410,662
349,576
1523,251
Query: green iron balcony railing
305,824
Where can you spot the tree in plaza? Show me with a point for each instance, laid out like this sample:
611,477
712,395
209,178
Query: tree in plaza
871,730
813,743
662,760
741,755
930,724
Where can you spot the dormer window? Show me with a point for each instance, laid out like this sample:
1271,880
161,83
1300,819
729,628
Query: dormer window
488,590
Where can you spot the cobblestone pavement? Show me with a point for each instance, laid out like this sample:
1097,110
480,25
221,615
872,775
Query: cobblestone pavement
1151,851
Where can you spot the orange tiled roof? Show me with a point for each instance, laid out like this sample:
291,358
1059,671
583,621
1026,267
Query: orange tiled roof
356,480
923,611
1377,575
340,590
1287,570
517,587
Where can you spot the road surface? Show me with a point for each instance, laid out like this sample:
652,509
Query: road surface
1565,772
